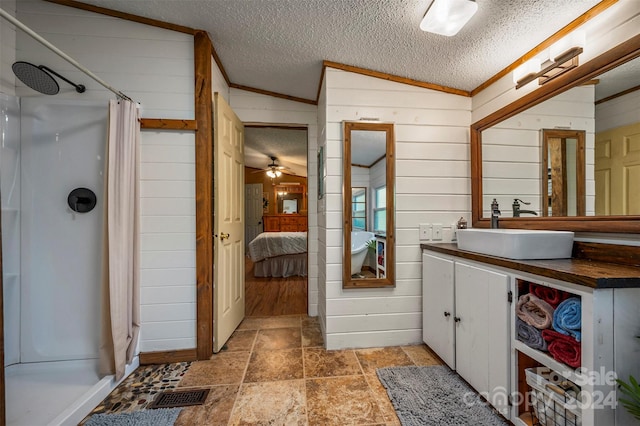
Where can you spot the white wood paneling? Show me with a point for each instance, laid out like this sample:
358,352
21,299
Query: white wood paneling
618,112
161,79
7,50
257,108
432,180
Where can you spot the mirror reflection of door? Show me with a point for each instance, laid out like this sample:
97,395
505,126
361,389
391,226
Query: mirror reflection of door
617,171
369,230
563,165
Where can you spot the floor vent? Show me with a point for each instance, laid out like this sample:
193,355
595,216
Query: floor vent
169,399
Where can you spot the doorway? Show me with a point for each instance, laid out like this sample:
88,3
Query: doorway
276,220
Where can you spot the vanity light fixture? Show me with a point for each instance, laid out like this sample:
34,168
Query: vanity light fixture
447,17
563,56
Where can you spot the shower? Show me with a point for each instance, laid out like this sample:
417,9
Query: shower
39,78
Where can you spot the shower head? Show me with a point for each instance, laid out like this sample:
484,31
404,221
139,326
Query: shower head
38,77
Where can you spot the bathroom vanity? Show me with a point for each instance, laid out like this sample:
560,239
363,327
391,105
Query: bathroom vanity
469,320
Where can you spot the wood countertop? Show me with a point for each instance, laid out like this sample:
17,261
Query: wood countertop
586,272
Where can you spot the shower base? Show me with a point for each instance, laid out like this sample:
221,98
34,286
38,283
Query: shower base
55,393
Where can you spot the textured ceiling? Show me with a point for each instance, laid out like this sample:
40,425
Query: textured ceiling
367,147
279,45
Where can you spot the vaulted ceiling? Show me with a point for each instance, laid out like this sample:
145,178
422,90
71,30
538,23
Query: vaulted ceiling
279,45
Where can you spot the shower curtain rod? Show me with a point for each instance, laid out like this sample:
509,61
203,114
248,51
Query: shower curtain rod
60,53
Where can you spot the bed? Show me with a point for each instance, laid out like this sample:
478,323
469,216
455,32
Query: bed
279,254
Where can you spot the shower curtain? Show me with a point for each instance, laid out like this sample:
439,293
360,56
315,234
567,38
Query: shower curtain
121,307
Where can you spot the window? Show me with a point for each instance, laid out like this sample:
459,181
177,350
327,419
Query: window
380,210
359,208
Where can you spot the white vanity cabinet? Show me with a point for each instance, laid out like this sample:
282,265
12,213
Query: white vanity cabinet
469,322
466,322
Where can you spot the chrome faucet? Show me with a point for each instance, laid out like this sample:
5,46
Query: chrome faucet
516,208
495,214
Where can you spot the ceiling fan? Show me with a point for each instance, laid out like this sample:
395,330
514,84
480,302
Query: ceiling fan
273,169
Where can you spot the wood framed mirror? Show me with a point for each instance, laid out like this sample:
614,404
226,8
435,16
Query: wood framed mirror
369,205
487,140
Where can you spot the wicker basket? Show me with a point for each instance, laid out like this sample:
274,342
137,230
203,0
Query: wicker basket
553,404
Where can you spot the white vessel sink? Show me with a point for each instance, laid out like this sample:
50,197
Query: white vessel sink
519,244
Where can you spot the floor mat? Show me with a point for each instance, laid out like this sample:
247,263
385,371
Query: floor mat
161,417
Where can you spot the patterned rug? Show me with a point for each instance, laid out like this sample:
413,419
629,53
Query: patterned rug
435,396
160,417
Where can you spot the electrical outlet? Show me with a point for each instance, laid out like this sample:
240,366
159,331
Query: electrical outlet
437,232
425,231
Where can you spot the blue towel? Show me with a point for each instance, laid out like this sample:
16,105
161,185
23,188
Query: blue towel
567,319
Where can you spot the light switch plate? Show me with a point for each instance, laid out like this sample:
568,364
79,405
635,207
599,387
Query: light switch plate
437,232
425,231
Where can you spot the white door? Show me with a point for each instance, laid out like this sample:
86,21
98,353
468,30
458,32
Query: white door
228,222
482,331
253,211
437,307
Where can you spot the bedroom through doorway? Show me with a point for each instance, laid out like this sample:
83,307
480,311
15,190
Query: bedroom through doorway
276,203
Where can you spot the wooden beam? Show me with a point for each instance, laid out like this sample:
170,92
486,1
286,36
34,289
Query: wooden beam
123,15
204,195
274,94
167,357
588,15
617,95
391,77
168,124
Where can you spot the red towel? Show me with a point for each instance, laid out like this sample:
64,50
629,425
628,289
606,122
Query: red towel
563,348
550,295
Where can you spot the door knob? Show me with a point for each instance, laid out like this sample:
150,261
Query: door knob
224,236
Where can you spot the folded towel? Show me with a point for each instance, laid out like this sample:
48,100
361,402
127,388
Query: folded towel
534,311
550,295
567,319
530,335
563,348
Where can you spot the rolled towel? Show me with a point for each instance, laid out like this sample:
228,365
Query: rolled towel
534,311
567,319
563,348
550,295
530,335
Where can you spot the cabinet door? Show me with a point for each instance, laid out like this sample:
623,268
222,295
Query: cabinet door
271,224
482,332
437,307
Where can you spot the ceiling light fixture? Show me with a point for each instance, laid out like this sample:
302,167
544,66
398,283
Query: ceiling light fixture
447,17
273,173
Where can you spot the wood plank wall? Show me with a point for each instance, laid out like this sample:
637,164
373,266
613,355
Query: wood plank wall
432,186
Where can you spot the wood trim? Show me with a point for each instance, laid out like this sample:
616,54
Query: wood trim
167,357
609,253
168,124
617,95
275,126
204,195
219,63
389,280
274,94
618,55
585,17
126,16
391,77
580,137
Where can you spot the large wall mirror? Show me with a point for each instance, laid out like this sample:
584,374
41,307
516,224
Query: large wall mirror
567,155
369,208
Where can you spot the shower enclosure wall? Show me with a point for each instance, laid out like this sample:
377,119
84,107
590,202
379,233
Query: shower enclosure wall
52,257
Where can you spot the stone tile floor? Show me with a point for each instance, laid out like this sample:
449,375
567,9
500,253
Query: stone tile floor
275,371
